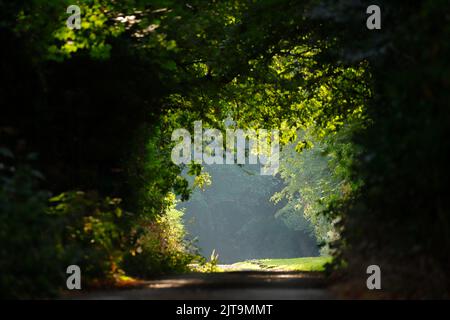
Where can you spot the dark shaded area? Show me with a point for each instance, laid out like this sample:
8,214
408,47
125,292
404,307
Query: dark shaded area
399,219
225,286
73,113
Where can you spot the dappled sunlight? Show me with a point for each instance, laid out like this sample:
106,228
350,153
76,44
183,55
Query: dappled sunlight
173,283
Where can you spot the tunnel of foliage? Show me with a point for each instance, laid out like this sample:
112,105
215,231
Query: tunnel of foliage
87,115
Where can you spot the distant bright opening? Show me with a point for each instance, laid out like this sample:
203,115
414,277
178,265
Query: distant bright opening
235,217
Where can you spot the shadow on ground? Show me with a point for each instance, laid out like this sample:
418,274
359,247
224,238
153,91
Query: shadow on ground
243,285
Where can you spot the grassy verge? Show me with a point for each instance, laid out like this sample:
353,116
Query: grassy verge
294,264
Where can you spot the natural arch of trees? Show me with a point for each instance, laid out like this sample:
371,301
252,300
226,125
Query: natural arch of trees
87,116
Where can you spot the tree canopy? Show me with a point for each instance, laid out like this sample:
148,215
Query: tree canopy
87,117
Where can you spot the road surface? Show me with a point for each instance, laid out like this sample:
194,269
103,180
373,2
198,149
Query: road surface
241,285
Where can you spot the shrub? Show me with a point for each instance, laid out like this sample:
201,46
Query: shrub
91,233
159,245
30,264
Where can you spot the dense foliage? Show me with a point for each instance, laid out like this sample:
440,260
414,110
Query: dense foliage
96,108
399,217
314,179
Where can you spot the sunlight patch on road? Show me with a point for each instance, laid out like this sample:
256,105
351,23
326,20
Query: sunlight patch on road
173,283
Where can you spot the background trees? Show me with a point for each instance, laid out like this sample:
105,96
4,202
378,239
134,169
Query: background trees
234,217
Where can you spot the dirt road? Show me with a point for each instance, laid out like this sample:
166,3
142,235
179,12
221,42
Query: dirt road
223,286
